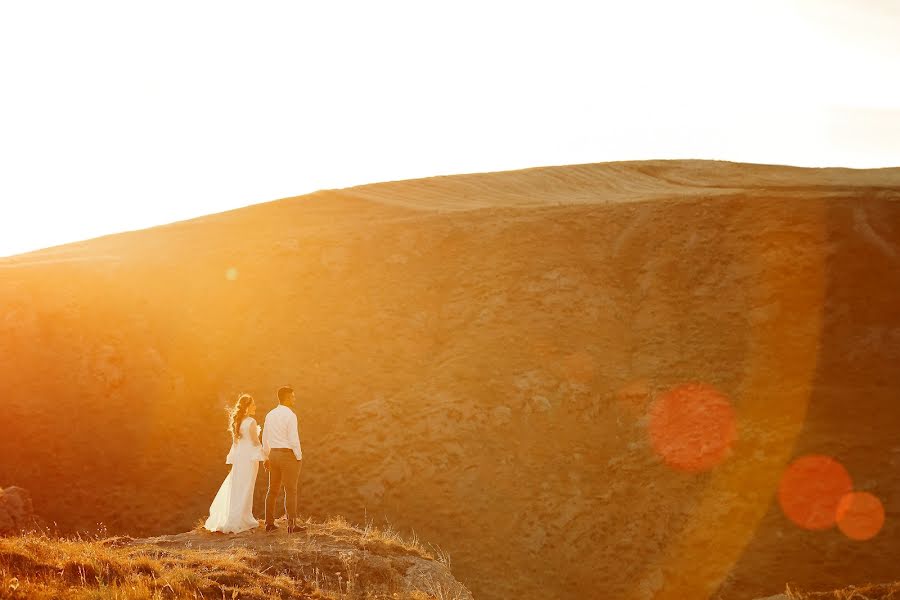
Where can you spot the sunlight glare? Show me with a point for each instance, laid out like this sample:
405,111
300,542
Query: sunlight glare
245,104
810,490
860,515
692,427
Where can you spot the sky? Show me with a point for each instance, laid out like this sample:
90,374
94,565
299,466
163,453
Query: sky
123,115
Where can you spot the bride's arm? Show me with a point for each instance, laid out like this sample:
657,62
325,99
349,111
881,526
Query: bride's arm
254,434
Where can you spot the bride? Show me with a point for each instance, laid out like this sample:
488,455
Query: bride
232,509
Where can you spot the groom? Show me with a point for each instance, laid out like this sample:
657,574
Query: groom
281,445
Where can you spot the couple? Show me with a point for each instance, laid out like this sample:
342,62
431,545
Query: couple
232,509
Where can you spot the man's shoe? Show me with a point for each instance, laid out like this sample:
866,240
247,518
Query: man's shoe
271,527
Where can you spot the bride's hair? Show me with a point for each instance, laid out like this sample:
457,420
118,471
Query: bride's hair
237,414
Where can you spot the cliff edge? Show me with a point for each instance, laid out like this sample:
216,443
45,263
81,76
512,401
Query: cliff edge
325,560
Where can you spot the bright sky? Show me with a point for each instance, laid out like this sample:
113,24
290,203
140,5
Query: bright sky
121,115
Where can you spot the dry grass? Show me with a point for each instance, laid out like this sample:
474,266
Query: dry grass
882,591
42,566
38,566
378,540
374,538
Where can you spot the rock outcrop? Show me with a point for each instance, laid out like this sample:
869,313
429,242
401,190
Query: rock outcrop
330,560
335,557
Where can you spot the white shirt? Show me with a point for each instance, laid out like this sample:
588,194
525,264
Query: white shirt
280,431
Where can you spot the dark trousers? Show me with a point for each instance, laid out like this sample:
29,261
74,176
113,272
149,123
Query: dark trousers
284,469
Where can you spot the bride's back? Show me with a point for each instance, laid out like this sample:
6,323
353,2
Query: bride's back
245,447
244,429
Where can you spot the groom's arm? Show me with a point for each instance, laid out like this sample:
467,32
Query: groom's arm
265,439
294,435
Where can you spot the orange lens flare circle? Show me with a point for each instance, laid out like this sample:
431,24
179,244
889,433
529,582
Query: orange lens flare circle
860,515
692,427
810,490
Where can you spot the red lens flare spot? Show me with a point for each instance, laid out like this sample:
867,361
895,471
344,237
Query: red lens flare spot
692,427
810,490
860,515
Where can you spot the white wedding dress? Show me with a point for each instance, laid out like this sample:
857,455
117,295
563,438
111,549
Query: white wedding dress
232,509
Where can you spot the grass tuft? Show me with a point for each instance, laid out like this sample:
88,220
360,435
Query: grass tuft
881,591
41,567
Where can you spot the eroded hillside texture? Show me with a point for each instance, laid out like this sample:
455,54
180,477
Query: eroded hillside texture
486,360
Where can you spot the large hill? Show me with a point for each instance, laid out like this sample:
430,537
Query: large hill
478,359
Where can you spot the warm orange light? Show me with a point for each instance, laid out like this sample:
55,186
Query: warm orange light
692,427
860,515
231,274
634,397
579,367
810,490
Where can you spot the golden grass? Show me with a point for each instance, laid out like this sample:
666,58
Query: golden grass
381,539
38,566
881,591
41,566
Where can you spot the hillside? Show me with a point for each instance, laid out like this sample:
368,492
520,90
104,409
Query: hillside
329,560
477,358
